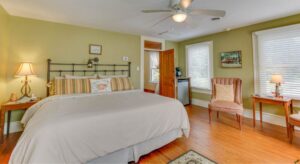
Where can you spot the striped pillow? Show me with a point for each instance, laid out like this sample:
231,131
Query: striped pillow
120,84
72,86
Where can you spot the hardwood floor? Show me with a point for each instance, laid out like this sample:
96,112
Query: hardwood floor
221,141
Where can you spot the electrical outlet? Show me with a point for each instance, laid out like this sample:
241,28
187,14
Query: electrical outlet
125,58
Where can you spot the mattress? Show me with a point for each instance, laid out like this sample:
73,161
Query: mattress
80,128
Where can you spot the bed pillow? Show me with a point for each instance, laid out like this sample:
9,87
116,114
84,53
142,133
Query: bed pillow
71,86
100,85
80,77
121,84
224,92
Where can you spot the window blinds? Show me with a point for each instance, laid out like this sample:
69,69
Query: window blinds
278,52
199,64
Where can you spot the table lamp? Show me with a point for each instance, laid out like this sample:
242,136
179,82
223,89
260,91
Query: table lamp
277,79
25,70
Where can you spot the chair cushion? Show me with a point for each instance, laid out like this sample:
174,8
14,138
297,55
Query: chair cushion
295,119
224,92
226,106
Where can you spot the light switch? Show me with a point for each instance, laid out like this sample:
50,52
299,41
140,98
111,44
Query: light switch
125,58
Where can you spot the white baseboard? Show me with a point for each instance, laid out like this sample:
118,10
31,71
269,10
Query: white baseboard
267,117
14,127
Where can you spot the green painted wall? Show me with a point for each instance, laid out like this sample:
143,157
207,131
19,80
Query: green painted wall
4,20
237,39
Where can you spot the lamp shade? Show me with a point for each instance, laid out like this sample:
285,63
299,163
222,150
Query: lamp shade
276,78
25,69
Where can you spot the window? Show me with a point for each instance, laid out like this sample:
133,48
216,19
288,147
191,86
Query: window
277,51
154,67
199,65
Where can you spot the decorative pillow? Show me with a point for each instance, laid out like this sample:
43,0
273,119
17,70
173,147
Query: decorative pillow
100,85
120,84
71,86
224,92
80,77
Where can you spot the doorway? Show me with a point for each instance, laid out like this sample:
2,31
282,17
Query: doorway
151,71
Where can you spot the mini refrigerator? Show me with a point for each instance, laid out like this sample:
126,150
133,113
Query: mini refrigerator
183,91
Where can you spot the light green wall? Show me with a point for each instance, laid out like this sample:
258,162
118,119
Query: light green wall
4,20
238,39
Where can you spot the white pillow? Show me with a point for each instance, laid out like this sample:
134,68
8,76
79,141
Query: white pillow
80,77
224,92
100,85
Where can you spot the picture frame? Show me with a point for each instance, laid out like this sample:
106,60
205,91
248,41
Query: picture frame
232,59
95,49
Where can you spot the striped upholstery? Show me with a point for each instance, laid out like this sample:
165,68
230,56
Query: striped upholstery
235,107
71,86
120,84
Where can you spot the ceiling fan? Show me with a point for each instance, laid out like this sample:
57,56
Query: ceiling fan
180,9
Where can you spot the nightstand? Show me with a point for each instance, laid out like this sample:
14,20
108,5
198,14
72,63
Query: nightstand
8,107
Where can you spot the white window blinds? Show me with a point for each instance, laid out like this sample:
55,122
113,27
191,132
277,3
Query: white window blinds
278,52
199,65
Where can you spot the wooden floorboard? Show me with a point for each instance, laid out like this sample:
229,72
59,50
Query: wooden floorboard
221,141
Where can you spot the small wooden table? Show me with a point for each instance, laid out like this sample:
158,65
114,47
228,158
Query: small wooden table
8,107
285,102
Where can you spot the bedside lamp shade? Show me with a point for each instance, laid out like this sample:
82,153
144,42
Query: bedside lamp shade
276,78
25,69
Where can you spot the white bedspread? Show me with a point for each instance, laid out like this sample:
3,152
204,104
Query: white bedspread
79,128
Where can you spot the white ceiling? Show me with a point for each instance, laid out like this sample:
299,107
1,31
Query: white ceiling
125,16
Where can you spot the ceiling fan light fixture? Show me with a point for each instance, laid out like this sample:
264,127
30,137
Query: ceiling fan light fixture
179,17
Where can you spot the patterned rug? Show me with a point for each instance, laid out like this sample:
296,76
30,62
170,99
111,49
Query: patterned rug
192,157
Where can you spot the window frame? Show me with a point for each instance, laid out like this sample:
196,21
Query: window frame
211,72
255,41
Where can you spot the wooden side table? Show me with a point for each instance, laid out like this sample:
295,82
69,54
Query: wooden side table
285,102
8,107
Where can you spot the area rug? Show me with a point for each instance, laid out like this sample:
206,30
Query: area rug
192,157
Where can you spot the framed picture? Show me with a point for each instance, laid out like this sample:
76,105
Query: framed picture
95,49
231,59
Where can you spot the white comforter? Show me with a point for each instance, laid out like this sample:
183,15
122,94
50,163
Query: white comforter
79,128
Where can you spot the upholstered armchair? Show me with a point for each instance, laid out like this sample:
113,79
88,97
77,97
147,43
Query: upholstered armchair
233,104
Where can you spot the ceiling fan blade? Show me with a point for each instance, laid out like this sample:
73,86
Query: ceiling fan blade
185,3
165,18
156,11
215,13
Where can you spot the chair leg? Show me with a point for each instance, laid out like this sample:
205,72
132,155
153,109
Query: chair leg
217,114
291,130
238,117
209,115
241,121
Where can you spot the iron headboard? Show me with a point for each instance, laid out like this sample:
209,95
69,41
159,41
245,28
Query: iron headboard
110,68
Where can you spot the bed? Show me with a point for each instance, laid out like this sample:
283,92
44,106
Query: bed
110,127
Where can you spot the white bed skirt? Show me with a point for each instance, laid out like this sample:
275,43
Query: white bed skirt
133,153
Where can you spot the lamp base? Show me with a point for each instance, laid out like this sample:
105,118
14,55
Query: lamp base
277,93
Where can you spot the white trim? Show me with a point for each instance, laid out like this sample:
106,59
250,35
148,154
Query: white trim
143,38
205,91
211,69
255,59
278,29
14,127
267,117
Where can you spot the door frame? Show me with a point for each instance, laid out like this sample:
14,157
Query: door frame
143,39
